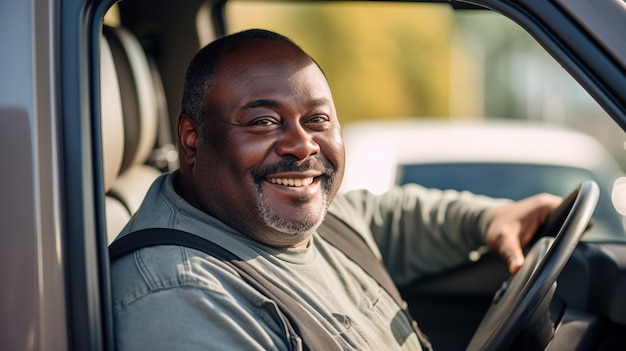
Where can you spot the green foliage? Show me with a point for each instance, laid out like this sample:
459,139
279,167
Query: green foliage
372,71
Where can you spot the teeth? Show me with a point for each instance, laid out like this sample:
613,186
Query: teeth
298,182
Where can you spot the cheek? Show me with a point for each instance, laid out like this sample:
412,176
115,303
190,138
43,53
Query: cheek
250,152
335,151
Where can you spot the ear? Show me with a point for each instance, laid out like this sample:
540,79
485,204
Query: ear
188,139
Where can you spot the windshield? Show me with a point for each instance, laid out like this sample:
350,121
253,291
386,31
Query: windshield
516,181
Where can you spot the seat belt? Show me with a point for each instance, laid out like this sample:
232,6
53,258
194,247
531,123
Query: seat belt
300,322
347,240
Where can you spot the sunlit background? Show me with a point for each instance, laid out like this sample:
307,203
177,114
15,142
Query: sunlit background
427,62
463,65
460,66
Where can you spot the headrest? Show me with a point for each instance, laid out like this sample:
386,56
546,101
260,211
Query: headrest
112,122
139,101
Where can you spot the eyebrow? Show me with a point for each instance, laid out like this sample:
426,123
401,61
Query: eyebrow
261,103
273,103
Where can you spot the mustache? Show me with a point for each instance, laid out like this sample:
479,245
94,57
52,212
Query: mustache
315,164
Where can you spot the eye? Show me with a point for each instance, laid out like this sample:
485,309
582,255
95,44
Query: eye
263,124
318,122
318,119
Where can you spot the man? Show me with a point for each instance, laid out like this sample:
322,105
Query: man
261,161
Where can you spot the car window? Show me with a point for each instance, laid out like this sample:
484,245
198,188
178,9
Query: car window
388,61
517,181
457,65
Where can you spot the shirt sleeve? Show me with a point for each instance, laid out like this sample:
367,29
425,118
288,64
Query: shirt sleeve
419,231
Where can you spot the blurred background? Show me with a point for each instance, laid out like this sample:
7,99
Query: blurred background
413,85
461,68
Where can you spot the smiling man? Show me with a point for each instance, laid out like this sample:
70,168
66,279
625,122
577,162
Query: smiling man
261,161
271,143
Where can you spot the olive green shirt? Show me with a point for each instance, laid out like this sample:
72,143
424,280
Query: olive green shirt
177,298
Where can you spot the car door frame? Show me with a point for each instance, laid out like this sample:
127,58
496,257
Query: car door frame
84,241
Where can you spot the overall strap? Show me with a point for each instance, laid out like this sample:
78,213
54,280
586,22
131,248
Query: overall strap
299,321
353,245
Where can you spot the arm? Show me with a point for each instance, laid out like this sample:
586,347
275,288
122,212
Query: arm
419,231
423,231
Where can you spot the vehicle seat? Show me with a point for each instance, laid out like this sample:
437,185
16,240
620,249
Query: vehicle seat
112,124
140,105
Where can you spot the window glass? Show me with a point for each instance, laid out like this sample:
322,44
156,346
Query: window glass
516,181
412,60
427,60
396,60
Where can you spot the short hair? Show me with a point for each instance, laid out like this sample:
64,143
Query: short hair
200,75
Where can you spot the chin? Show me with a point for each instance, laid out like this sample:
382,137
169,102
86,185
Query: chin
293,228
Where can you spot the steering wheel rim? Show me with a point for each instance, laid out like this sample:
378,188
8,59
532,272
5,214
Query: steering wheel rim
520,296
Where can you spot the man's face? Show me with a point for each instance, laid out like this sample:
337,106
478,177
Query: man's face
272,158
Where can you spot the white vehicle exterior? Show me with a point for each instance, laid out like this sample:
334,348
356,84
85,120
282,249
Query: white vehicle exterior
377,152
375,149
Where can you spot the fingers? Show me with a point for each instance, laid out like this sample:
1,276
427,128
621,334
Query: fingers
514,257
513,226
508,246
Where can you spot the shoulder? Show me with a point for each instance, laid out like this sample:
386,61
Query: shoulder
202,300
152,269
148,272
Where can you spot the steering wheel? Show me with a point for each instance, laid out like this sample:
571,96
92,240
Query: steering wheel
520,296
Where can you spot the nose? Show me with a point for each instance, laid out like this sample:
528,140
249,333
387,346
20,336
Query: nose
297,141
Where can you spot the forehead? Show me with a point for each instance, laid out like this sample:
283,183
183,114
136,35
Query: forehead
261,55
258,67
262,50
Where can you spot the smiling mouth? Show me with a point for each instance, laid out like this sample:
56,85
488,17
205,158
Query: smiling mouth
293,182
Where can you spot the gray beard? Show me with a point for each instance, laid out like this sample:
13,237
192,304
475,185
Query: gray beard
272,220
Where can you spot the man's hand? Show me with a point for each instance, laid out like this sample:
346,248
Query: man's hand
513,225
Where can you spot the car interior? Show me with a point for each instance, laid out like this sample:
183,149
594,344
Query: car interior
141,58
133,128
